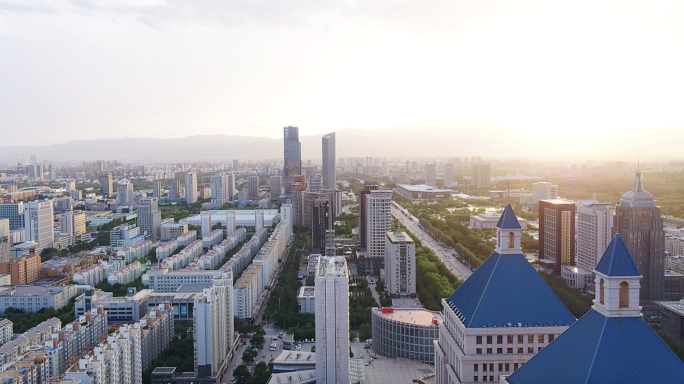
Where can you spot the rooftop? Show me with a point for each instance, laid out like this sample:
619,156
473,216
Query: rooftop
418,317
307,292
298,377
331,265
616,260
557,201
399,237
294,357
508,219
423,188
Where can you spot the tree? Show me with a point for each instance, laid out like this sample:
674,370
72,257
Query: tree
241,373
365,331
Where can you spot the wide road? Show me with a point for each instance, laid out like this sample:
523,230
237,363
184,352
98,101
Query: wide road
447,256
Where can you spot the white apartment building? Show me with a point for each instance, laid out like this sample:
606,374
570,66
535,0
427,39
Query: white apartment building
448,175
253,187
480,175
149,218
6,331
187,238
332,320
191,187
286,214
544,190
594,223
165,250
165,280
400,264
674,245
213,324
172,231
124,193
38,221
92,275
31,298
205,220
431,175
378,222
126,275
306,298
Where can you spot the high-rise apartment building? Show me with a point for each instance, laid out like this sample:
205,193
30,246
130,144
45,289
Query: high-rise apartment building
314,183
332,320
378,222
14,212
638,219
191,187
367,188
545,191
222,188
124,193
253,187
480,175
292,164
594,232
174,189
205,223
5,241
400,264
38,221
329,176
322,221
556,233
106,185
213,324
149,218
157,189
448,175
430,175
276,185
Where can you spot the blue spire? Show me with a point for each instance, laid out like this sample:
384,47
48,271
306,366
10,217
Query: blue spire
508,219
616,260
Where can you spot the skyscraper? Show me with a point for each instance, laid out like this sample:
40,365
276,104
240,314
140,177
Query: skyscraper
594,231
14,212
557,233
156,189
222,187
292,164
322,221
276,184
174,189
544,190
430,175
124,193
106,185
253,187
367,188
38,221
378,223
448,175
149,218
329,176
480,175
400,264
638,219
191,187
213,324
332,320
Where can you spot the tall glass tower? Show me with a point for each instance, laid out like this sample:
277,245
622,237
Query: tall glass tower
292,164
329,177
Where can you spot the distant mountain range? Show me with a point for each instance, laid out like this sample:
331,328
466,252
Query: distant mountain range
407,141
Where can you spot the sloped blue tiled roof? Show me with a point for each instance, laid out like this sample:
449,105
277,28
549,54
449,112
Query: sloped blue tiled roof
507,290
599,349
616,260
508,219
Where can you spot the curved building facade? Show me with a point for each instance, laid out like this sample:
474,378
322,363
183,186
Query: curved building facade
406,333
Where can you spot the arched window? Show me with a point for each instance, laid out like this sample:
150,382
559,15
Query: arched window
601,292
511,240
624,294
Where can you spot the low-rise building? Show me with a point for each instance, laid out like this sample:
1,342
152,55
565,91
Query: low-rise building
172,231
6,331
165,280
405,333
307,299
127,309
423,191
34,298
126,275
489,220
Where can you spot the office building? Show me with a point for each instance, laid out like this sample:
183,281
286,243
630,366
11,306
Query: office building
157,189
638,219
612,343
73,223
222,188
292,161
556,234
124,193
314,183
332,320
38,221
594,232
149,218
480,175
322,221
213,325
400,264
378,222
367,188
23,269
34,298
14,212
328,169
544,191
276,187
174,189
106,183
191,187
253,187
306,298
448,175
407,333
431,175
491,325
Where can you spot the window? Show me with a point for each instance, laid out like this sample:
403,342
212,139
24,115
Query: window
601,293
515,366
530,339
491,367
520,339
540,339
489,339
478,339
507,367
475,379
499,339
489,351
539,349
624,294
550,338
499,350
484,367
478,351
530,349
520,350
475,368
509,339
511,240
491,378
500,367
509,350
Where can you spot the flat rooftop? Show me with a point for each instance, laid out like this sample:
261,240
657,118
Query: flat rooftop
332,265
423,188
674,306
294,357
307,292
399,237
417,317
558,201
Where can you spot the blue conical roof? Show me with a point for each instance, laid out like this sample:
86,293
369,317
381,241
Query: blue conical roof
508,219
616,260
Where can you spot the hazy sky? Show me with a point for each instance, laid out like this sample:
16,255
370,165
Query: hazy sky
85,69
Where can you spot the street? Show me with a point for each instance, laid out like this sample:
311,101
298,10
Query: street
446,256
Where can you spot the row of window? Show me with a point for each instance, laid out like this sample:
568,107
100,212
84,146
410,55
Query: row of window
510,338
478,351
503,369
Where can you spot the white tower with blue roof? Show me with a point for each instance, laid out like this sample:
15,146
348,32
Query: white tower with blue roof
499,317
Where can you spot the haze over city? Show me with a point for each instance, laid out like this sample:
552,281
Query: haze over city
596,75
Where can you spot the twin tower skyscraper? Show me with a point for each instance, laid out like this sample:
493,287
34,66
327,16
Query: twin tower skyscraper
292,165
